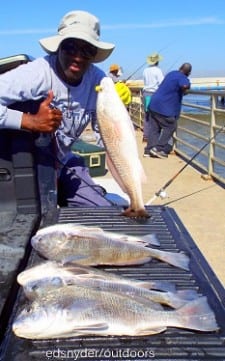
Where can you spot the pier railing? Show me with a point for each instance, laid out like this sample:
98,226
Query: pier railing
200,135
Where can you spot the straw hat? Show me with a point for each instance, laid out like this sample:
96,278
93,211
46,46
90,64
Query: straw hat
154,58
79,25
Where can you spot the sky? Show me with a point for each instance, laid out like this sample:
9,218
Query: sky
191,31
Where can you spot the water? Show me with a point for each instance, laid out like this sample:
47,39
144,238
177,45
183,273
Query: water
201,100
203,130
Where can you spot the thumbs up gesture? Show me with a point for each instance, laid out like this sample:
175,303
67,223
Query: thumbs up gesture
47,119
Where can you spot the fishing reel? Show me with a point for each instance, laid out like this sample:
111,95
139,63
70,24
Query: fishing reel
161,193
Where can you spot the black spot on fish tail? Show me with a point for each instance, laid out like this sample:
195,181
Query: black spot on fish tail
136,213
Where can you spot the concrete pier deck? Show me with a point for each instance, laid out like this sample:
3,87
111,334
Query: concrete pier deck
199,203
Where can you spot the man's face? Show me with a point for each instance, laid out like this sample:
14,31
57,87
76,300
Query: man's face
74,57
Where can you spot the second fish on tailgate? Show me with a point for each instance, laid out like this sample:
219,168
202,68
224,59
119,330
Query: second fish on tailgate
66,272
37,286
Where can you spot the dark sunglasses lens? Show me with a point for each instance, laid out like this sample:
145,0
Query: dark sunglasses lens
87,51
91,51
68,48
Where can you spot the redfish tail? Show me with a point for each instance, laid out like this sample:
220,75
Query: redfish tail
197,315
180,260
136,213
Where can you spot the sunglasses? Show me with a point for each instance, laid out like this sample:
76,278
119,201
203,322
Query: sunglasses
73,47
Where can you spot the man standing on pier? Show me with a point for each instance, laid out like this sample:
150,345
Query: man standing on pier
165,108
152,76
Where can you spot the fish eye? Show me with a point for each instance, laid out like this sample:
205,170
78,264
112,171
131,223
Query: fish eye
34,287
28,309
57,281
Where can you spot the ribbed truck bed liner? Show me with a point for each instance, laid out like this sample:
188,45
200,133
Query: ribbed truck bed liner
173,344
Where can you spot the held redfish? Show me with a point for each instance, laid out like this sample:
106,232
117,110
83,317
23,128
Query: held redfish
118,135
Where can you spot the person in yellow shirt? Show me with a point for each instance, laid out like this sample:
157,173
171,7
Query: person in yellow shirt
124,93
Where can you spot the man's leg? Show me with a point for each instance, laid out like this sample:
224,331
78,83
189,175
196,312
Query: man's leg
146,127
76,188
168,125
154,131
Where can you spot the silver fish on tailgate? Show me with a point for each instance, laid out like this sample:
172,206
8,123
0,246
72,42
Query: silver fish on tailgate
65,273
35,280
38,288
72,228
89,248
73,310
118,134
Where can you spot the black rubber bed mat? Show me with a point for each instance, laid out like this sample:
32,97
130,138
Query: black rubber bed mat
173,344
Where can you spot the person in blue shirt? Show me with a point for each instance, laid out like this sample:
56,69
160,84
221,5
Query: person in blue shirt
165,108
64,82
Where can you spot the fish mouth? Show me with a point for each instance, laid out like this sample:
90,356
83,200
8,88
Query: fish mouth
36,240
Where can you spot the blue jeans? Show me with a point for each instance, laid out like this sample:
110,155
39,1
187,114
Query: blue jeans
161,129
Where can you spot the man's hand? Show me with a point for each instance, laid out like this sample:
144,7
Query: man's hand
46,120
123,92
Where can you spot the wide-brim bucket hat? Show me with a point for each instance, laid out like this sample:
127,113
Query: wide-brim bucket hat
154,58
79,25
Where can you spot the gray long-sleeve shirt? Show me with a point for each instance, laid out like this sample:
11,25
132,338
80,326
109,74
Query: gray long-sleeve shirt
33,80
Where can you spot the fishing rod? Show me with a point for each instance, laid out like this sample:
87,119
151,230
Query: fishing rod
159,51
144,64
135,71
161,192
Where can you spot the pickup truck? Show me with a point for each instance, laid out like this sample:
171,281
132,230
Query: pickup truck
28,201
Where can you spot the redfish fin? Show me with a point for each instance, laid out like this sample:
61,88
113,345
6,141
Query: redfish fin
151,239
142,173
139,213
149,331
197,315
158,285
179,299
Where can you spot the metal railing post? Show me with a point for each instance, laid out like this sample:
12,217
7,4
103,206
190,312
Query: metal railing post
212,134
199,122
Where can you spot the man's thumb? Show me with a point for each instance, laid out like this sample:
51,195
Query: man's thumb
49,98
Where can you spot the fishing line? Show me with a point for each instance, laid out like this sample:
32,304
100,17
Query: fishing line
161,192
135,71
73,171
159,51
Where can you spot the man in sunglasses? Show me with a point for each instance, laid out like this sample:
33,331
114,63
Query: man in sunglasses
65,79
